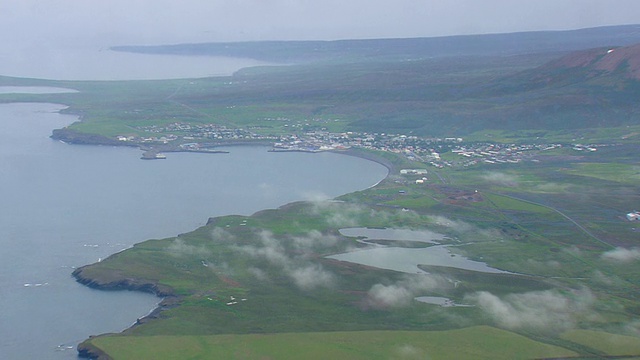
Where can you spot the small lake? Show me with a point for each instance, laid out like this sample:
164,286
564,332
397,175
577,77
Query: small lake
424,236
407,259
441,301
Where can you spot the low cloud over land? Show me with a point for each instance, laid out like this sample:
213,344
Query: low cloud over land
402,293
180,248
545,311
305,275
501,178
622,255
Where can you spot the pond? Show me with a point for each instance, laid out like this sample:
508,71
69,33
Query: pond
407,259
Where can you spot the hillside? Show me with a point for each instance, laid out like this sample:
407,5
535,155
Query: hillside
460,95
597,65
528,82
589,88
621,61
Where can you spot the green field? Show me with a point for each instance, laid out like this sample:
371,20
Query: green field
613,344
623,173
471,343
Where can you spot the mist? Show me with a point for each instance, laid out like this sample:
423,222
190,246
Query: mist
101,24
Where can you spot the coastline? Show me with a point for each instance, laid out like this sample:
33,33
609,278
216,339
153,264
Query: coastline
121,283
115,282
70,136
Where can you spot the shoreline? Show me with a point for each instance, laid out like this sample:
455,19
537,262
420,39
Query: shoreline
169,298
74,137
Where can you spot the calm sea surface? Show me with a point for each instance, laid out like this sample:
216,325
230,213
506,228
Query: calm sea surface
64,206
103,64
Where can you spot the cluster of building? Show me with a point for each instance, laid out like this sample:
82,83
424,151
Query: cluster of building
190,132
425,150
413,146
491,153
190,137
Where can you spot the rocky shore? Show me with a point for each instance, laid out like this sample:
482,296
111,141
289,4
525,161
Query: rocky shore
87,351
113,282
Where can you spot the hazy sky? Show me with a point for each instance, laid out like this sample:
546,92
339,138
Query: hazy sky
114,22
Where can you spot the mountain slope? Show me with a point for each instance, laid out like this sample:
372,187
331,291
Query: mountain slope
621,62
589,88
443,95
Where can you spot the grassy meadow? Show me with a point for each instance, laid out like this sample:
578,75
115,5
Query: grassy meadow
471,343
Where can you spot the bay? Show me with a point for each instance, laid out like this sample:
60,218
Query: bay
65,206
87,63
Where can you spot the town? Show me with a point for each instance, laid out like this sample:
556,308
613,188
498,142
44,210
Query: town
179,136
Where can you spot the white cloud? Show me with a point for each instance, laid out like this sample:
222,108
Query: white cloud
501,179
402,293
546,311
608,280
458,226
220,235
622,255
179,247
304,275
311,277
461,228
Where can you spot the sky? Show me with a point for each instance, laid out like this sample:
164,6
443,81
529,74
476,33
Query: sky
67,39
124,22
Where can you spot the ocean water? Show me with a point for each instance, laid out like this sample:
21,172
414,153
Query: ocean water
82,63
64,206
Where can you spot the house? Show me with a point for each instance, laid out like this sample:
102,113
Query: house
635,215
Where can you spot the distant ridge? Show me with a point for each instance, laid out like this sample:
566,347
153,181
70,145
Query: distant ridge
552,80
410,48
609,67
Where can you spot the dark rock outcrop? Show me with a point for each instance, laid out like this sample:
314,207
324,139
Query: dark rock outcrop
121,284
75,137
87,350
